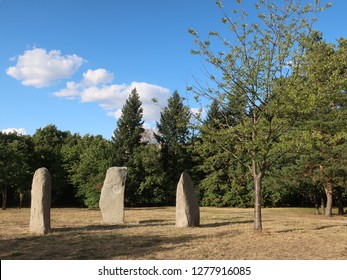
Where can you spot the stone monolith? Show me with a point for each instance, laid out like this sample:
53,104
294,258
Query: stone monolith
187,207
111,201
40,217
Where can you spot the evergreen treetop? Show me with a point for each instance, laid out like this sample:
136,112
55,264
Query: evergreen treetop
127,135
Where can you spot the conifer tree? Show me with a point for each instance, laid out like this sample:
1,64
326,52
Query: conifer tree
172,136
319,160
126,141
127,135
223,182
324,74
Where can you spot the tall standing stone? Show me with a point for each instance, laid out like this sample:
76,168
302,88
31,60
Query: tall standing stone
187,207
112,196
40,218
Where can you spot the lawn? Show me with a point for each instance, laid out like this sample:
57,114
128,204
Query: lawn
150,233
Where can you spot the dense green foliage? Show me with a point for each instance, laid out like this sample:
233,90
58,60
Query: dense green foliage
172,138
16,164
87,160
78,164
126,141
256,70
274,133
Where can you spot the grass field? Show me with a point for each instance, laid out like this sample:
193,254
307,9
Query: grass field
150,233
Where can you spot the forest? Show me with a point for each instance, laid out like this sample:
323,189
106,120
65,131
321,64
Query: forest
78,163
273,132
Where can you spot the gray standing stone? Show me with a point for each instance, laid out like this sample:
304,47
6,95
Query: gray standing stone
112,196
187,207
40,217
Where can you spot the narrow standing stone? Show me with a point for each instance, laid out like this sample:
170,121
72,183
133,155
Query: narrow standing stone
40,218
112,196
187,207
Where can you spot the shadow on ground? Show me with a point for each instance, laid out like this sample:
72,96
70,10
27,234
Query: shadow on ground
102,242
65,245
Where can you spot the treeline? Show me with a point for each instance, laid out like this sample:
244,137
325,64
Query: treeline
155,161
78,163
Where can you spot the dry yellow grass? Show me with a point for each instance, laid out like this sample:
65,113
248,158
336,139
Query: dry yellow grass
149,233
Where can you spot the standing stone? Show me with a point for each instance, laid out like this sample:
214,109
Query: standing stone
112,196
187,207
40,218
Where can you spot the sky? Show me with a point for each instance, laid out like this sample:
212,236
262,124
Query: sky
73,63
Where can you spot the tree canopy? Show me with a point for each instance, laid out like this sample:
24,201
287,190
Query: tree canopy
254,74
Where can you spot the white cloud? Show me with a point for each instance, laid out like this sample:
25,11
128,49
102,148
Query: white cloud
41,68
98,76
72,91
96,87
20,131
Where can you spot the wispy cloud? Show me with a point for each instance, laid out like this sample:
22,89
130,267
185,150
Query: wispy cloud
41,68
96,86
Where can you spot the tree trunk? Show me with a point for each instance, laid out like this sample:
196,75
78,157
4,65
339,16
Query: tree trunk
322,206
257,202
21,196
4,197
329,193
341,210
340,201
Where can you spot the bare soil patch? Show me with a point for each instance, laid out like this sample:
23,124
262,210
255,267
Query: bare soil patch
150,233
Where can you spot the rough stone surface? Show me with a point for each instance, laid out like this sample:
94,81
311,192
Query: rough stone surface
40,217
112,196
187,207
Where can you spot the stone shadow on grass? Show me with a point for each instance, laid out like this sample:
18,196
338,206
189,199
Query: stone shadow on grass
151,221
221,224
87,245
104,227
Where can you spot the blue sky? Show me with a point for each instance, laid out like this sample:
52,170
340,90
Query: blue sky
73,63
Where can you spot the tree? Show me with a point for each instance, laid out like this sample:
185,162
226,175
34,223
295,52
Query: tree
172,136
48,142
323,71
223,182
15,164
87,162
150,178
126,140
127,135
253,71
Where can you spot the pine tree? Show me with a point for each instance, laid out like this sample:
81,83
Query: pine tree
318,163
324,72
127,135
172,136
126,144
223,183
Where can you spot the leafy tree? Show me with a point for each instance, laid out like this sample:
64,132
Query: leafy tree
15,164
48,142
87,162
172,136
253,71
